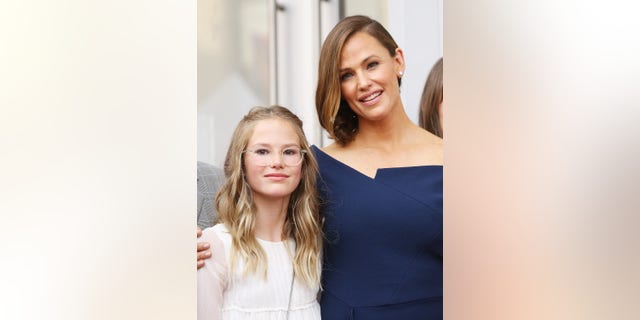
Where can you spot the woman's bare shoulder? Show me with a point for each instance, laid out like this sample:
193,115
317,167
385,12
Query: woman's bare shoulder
333,149
429,147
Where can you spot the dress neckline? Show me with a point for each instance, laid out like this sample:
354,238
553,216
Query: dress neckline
275,243
378,170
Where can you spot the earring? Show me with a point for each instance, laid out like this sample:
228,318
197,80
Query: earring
400,74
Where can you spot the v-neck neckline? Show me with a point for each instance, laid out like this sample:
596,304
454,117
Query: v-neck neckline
378,170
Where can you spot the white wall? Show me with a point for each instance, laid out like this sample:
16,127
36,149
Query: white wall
298,55
416,26
233,70
226,90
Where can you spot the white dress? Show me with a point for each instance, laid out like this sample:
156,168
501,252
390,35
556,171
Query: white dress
223,294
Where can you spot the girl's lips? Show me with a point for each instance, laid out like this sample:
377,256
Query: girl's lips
276,176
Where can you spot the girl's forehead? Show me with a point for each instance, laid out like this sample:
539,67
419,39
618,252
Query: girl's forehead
274,131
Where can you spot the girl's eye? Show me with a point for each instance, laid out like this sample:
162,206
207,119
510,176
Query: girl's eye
290,152
262,152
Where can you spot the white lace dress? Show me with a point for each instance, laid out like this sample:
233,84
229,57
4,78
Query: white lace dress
223,294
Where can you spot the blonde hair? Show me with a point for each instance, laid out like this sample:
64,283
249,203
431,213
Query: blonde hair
429,117
334,113
237,211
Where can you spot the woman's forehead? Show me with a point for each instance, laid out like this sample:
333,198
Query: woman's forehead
360,46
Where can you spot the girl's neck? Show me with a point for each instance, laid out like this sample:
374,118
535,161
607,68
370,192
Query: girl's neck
270,218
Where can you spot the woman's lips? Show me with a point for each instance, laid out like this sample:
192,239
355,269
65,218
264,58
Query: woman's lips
371,99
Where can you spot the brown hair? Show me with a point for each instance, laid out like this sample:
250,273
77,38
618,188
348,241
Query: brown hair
429,117
334,113
237,210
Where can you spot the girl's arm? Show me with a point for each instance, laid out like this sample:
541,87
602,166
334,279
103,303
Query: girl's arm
212,280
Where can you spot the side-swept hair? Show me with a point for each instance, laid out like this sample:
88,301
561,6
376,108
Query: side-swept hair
429,117
237,210
334,113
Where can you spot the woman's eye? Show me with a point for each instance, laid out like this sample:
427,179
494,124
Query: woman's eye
290,152
345,76
262,152
372,65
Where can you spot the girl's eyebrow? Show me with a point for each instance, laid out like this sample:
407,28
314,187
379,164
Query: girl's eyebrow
267,145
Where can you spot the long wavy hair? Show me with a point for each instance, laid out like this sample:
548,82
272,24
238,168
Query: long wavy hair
334,112
237,210
429,117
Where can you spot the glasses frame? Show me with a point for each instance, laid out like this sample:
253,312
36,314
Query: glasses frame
303,152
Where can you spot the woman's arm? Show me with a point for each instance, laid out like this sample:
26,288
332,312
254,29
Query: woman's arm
202,252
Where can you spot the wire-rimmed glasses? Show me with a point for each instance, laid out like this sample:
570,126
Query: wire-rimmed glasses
290,156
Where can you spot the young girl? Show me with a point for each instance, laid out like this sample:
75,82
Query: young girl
268,239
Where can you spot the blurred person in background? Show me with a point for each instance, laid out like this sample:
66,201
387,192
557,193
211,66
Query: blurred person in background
430,116
210,178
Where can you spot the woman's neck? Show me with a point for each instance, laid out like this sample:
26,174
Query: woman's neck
270,217
393,130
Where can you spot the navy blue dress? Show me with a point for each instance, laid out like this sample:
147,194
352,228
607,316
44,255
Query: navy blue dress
383,248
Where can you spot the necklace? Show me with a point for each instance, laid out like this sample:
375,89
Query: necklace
290,293
293,276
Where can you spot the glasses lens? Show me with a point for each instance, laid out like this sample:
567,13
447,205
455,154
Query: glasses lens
290,156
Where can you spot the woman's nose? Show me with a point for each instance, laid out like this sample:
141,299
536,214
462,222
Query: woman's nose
364,82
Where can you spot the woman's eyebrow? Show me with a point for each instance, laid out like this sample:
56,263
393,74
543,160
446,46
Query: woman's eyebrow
361,62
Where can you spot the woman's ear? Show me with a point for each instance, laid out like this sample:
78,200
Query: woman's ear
399,61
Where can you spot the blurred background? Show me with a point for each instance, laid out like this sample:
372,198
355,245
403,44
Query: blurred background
98,145
257,52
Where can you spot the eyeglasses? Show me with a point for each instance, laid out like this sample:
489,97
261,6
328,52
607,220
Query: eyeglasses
291,156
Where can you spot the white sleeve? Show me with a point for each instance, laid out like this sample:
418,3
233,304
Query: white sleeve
212,279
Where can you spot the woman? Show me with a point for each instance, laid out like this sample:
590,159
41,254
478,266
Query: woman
381,180
430,116
268,241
